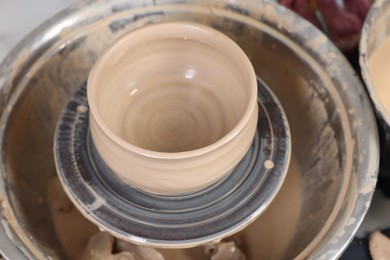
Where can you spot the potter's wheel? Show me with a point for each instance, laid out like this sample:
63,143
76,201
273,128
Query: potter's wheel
333,130
172,221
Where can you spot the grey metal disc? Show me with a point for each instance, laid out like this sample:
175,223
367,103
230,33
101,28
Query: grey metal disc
172,221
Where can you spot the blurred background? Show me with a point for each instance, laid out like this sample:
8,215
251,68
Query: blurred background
19,17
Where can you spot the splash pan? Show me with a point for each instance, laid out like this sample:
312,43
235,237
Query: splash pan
333,131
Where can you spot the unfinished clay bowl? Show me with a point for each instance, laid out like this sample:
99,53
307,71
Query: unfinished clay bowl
173,107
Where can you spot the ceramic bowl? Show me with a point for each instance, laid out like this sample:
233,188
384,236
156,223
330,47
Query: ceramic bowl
173,107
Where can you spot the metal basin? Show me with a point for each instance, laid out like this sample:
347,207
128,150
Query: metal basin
334,136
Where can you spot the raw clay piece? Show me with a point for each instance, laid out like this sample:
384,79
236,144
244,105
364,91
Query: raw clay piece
224,250
103,246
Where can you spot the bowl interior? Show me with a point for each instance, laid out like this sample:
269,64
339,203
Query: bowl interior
327,154
173,87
